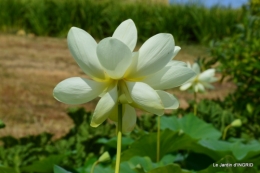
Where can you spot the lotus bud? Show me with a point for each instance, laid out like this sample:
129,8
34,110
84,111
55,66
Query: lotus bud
104,157
236,123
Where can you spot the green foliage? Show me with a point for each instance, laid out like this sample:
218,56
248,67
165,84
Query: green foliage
100,18
230,168
185,143
40,153
238,60
58,169
170,141
168,169
190,125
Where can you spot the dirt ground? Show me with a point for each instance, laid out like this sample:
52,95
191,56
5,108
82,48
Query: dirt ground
30,67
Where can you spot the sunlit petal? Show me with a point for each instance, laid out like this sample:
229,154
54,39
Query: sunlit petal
83,48
154,54
114,56
145,97
169,77
127,33
77,90
105,107
168,100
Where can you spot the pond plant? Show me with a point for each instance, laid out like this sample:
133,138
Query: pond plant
122,78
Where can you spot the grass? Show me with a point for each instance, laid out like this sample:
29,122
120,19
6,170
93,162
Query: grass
32,66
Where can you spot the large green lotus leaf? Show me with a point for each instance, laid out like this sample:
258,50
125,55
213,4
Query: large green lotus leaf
218,149
58,169
247,152
172,168
45,165
170,141
214,148
171,123
191,125
99,169
146,164
7,170
226,165
126,141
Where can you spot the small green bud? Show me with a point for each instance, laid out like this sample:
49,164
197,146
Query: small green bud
104,157
249,108
236,123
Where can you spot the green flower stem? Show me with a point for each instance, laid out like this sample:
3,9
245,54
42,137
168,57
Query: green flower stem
158,138
119,137
93,166
225,132
195,104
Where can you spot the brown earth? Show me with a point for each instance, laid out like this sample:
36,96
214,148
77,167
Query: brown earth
30,67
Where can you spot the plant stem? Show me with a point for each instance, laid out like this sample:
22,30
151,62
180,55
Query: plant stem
195,104
119,138
225,132
158,138
93,167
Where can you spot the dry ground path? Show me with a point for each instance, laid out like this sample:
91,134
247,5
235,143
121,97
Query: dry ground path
30,67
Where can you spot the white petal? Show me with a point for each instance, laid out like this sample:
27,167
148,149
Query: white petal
129,119
176,63
207,75
213,79
196,68
154,54
145,97
77,90
105,107
168,100
199,87
114,56
208,85
188,65
127,33
186,86
83,48
113,115
176,51
169,77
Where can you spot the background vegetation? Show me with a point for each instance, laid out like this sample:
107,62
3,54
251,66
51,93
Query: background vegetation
188,23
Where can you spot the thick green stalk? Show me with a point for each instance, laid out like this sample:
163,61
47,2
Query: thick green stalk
93,167
195,103
158,138
225,132
119,138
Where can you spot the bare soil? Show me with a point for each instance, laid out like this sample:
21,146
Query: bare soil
30,67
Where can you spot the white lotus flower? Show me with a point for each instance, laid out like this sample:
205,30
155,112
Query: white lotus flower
201,80
134,79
